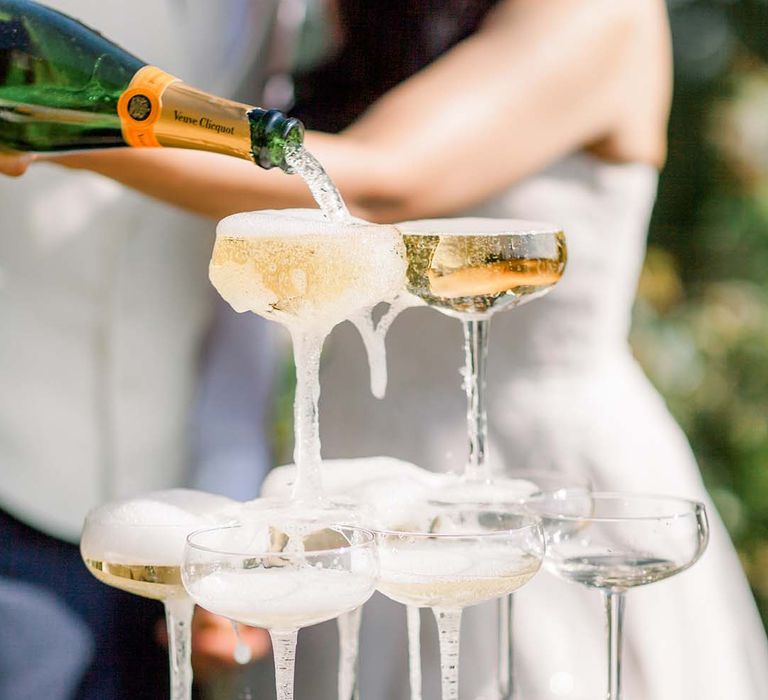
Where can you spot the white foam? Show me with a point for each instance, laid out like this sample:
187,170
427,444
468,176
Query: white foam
383,488
470,226
443,559
455,489
151,528
280,223
362,479
282,598
306,272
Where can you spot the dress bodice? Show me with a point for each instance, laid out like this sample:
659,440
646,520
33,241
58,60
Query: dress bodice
604,210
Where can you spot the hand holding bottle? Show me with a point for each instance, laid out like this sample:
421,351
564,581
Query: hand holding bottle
13,163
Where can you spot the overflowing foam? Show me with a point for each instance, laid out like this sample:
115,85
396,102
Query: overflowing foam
280,597
347,477
470,226
374,336
385,486
274,223
152,528
297,268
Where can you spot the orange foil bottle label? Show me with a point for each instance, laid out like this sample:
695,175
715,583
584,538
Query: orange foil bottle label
158,109
139,106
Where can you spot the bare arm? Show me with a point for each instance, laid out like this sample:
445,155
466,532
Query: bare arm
538,80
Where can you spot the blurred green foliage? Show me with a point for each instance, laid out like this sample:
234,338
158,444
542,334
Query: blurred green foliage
701,319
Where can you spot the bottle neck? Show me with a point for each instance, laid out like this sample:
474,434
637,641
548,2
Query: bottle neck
158,109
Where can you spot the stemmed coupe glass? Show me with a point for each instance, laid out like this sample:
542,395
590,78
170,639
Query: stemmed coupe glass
616,541
281,577
449,557
137,545
471,268
331,509
159,580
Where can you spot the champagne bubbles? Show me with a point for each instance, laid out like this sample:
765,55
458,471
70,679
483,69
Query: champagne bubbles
297,268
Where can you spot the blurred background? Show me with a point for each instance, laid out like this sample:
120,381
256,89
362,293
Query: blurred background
701,317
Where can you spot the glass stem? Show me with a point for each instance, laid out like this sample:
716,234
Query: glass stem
614,609
506,673
414,650
307,348
349,633
284,650
448,626
476,352
178,618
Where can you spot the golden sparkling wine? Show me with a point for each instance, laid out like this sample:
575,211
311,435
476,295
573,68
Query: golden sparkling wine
445,574
426,592
298,269
478,274
145,580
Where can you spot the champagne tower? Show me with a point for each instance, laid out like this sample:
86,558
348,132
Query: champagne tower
64,87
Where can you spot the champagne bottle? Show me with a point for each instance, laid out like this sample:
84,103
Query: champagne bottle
64,87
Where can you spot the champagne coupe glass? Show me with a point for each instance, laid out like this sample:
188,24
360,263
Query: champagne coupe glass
281,575
331,508
451,556
470,269
137,546
615,541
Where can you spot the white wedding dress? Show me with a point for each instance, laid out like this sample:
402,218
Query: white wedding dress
564,394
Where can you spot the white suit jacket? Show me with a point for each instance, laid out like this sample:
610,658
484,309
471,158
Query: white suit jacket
104,295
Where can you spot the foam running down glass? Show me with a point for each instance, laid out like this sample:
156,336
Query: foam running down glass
295,267
469,269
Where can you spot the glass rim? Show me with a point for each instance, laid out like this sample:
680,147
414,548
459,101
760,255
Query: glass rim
270,553
687,507
496,227
585,483
534,524
267,223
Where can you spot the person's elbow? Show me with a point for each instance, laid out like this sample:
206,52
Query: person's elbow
401,195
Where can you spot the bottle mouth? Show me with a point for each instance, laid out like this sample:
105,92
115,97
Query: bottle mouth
271,132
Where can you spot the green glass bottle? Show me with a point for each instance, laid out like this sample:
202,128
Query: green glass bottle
64,87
